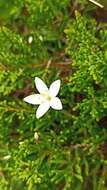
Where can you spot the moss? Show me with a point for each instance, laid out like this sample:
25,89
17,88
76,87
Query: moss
70,152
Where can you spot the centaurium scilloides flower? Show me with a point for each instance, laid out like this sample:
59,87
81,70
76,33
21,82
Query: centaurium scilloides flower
46,98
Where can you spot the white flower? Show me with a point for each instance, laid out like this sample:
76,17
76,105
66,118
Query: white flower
36,136
46,97
30,39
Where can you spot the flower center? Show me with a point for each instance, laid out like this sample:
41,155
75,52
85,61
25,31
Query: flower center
46,96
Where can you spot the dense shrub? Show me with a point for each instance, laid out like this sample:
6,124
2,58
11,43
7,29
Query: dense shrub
70,152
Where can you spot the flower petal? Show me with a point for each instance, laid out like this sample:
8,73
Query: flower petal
56,103
40,85
42,109
54,88
34,99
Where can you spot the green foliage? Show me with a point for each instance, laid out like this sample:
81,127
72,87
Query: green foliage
71,150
